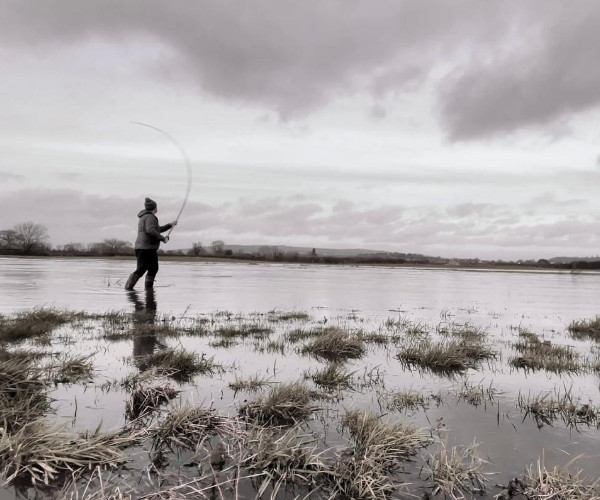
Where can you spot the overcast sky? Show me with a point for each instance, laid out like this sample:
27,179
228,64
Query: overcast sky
461,129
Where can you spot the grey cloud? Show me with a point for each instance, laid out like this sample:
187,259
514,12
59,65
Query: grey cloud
538,82
288,55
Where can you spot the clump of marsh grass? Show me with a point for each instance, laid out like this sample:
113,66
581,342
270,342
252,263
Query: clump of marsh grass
456,472
377,338
410,400
251,383
365,471
301,334
560,483
225,343
37,323
243,330
145,400
71,369
333,376
186,427
335,344
466,332
23,394
585,329
445,357
546,409
178,364
42,454
277,316
286,404
536,354
288,458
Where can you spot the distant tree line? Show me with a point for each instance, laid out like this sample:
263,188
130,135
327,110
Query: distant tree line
29,238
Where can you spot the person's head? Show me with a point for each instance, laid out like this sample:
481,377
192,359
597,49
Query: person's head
150,205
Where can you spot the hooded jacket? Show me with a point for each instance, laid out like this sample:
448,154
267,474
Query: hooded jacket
149,237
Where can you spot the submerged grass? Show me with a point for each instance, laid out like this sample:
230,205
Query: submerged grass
286,404
585,329
335,344
251,383
410,400
536,354
36,323
145,400
333,376
547,408
71,369
477,394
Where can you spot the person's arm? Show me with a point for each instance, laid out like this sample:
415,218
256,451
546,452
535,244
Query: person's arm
168,226
152,228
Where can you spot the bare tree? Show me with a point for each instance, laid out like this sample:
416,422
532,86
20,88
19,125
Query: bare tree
8,238
31,235
73,248
218,247
197,249
112,246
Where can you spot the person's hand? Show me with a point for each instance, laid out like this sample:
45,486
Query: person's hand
166,239
174,223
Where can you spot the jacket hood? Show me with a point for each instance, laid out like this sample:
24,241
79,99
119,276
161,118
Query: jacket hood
144,212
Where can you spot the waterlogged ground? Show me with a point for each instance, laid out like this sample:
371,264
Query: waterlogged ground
249,323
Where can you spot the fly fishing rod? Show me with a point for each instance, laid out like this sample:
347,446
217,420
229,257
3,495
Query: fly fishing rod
186,160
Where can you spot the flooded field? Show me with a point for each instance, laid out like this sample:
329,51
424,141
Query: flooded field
287,381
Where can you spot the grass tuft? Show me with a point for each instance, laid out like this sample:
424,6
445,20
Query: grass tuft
251,383
334,344
37,323
366,470
178,364
333,376
536,354
186,427
22,394
38,453
71,369
455,472
585,329
445,357
146,399
286,404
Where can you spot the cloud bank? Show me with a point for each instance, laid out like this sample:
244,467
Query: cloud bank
495,67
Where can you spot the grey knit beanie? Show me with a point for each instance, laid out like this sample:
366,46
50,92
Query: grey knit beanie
149,204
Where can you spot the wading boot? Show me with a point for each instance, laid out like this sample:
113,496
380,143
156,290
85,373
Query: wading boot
149,283
131,281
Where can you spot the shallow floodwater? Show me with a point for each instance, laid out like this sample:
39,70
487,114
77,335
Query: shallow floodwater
349,296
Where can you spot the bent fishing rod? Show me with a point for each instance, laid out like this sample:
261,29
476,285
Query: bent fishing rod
186,160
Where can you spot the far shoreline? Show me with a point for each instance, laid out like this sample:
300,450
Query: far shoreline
483,268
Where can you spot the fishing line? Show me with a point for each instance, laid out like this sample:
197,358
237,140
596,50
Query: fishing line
187,162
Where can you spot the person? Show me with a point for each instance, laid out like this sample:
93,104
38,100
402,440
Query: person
147,244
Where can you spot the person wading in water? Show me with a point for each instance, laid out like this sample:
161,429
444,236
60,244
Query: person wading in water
146,245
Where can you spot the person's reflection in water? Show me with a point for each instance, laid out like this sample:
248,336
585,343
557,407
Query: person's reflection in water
144,317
